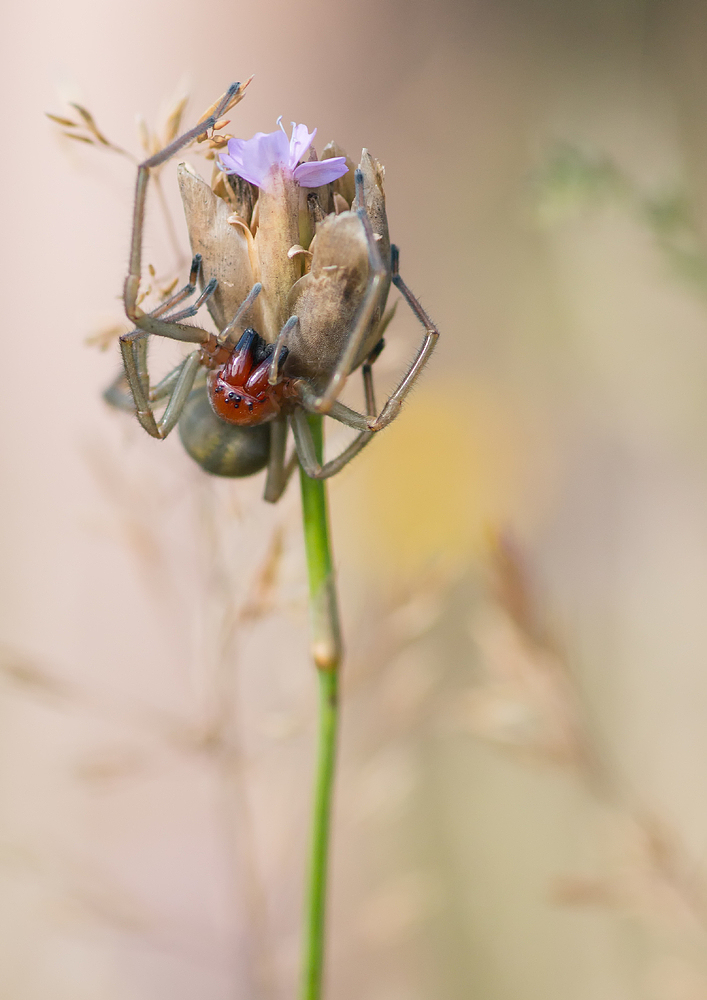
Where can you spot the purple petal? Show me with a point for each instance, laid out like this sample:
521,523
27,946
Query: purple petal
230,164
253,159
312,175
299,143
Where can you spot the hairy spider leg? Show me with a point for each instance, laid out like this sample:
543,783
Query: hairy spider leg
367,372
196,305
280,468
135,360
325,403
185,291
145,322
308,397
277,355
115,394
378,271
304,442
225,337
395,401
178,383
313,403
279,471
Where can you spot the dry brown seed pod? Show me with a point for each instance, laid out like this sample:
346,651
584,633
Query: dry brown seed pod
90,123
224,248
340,204
328,299
235,98
345,186
61,121
174,119
336,328
374,198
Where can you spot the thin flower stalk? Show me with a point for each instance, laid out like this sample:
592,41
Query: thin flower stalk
326,652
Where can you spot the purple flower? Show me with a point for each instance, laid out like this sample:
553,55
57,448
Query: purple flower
256,159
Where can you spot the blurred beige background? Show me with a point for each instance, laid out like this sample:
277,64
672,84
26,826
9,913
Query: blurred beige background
521,807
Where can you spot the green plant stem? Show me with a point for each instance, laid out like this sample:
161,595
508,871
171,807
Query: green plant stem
326,651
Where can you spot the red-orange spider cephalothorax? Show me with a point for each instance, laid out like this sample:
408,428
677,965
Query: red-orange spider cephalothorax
240,391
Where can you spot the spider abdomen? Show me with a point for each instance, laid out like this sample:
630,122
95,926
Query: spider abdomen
220,448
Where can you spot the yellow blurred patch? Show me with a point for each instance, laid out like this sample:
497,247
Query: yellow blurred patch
428,489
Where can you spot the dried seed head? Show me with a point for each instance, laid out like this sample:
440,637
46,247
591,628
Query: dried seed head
90,124
86,130
344,186
235,99
143,133
374,198
238,194
271,162
274,203
328,298
226,249
278,230
61,121
340,203
174,119
105,336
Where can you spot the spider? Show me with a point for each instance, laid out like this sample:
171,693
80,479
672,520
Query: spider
234,396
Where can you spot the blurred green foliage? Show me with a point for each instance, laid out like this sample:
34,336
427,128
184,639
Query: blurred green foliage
572,181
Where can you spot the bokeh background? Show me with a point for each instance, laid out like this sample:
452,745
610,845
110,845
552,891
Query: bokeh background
521,807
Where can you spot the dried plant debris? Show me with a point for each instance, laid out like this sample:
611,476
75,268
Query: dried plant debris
28,675
85,129
526,701
649,876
